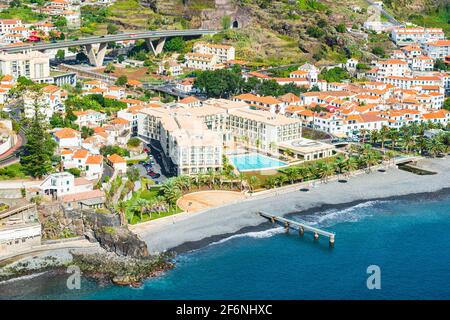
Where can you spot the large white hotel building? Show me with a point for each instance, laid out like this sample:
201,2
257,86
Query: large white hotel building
194,138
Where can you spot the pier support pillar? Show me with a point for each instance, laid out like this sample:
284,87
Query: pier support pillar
273,220
286,226
301,231
316,236
331,241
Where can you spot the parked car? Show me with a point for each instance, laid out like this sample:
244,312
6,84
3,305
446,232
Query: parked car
156,175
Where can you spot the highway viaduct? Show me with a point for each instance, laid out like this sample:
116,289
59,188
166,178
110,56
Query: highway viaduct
96,46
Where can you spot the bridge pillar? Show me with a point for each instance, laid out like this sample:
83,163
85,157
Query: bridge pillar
316,236
286,226
96,54
331,241
159,45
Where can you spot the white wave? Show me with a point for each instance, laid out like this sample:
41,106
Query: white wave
255,234
333,216
27,277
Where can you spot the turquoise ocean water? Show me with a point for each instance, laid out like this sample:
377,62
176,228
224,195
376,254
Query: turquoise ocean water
408,239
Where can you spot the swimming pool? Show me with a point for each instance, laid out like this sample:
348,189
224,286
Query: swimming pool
255,161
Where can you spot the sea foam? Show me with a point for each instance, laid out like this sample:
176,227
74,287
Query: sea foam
332,217
27,277
254,234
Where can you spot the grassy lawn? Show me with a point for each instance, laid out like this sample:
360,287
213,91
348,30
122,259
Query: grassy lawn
154,216
148,195
13,171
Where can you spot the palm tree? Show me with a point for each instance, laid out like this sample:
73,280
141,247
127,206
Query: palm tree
280,180
407,140
383,135
183,182
291,174
393,136
303,173
352,164
171,191
445,139
271,182
341,164
198,179
374,136
241,178
389,155
436,147
325,170
211,175
121,207
363,133
252,182
371,159
421,144
139,206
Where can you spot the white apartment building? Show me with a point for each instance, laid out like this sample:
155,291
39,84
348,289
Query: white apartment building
201,61
63,183
409,82
392,67
50,101
89,118
91,165
422,63
347,126
31,64
402,35
438,49
7,24
67,138
223,53
170,68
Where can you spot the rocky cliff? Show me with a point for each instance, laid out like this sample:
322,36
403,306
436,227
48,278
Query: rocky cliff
97,225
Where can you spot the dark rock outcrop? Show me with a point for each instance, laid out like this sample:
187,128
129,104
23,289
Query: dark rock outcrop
97,226
121,241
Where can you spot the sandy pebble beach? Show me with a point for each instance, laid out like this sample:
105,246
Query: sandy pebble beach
192,230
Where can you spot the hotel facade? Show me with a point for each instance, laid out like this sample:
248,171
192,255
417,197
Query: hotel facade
194,138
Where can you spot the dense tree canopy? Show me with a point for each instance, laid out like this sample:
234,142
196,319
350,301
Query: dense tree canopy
39,149
176,44
334,75
226,83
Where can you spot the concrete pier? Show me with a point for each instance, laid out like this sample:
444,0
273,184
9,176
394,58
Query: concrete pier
301,227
